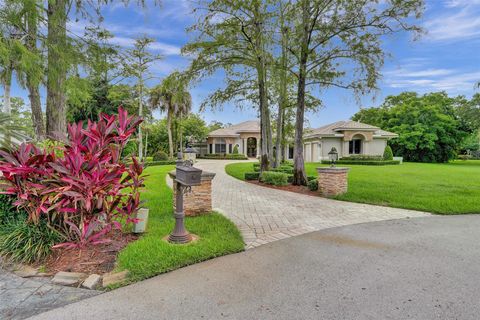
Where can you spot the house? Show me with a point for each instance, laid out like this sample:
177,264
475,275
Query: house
245,135
348,137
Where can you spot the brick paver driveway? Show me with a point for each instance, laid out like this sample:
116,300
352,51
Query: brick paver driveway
264,215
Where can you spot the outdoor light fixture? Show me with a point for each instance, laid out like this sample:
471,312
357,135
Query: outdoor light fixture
333,156
190,153
186,177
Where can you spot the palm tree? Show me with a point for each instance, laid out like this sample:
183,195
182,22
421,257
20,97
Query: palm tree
172,97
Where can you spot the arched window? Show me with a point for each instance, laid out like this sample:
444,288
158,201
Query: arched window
355,145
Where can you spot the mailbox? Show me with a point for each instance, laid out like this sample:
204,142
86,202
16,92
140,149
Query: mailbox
188,176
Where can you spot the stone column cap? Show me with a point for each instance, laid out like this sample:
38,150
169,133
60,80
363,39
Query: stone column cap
206,175
332,169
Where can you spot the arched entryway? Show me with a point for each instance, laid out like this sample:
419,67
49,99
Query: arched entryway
252,147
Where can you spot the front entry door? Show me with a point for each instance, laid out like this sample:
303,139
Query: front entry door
251,147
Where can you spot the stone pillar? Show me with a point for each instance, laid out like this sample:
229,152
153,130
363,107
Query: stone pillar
332,181
199,201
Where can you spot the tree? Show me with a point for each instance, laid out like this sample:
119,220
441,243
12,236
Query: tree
173,98
136,65
338,44
428,128
234,36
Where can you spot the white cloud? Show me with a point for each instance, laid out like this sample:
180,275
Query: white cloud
453,81
163,48
460,21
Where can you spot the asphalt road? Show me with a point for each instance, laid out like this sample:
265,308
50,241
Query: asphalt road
420,268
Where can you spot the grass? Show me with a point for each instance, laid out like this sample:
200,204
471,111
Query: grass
450,188
151,255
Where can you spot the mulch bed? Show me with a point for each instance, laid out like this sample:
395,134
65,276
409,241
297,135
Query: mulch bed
97,259
289,187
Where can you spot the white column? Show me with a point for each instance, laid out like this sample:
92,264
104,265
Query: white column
213,146
244,147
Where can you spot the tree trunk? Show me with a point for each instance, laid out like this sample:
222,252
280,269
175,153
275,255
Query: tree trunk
7,87
146,144
32,83
57,68
36,106
140,114
169,130
279,138
265,129
299,175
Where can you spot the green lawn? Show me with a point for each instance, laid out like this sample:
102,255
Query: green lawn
452,188
150,255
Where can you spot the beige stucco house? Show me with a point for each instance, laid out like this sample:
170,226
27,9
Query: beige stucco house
348,137
245,135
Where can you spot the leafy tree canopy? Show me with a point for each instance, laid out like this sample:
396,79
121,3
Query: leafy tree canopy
428,126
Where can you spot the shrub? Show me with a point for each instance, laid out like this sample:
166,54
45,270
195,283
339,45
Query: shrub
252,175
160,156
464,157
365,162
256,167
235,149
220,156
8,211
363,157
388,153
274,178
26,242
160,163
313,185
290,178
85,194
311,178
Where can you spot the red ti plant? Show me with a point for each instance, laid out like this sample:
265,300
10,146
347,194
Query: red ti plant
86,193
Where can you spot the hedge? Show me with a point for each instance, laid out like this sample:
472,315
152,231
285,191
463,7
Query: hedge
274,178
252,175
160,163
365,162
220,156
363,158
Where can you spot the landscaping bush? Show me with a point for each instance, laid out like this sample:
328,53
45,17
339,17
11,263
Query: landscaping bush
313,185
160,156
235,149
160,163
290,178
26,242
274,178
310,178
388,153
252,175
256,167
219,156
363,158
86,193
365,162
8,211
464,157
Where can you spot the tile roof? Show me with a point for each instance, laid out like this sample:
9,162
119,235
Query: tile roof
334,128
235,130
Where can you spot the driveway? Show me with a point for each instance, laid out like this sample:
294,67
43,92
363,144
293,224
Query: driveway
264,215
422,268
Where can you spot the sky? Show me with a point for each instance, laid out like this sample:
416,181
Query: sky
445,58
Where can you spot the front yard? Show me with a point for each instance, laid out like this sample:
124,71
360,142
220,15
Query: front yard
151,255
452,188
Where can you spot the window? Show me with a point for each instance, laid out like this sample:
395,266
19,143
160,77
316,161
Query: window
355,146
290,152
210,148
220,148
230,148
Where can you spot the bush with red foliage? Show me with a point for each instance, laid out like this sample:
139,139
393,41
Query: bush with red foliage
86,192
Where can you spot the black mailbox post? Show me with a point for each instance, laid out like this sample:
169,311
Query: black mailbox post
186,177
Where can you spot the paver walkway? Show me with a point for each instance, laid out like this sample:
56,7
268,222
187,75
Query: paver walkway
264,215
21,298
